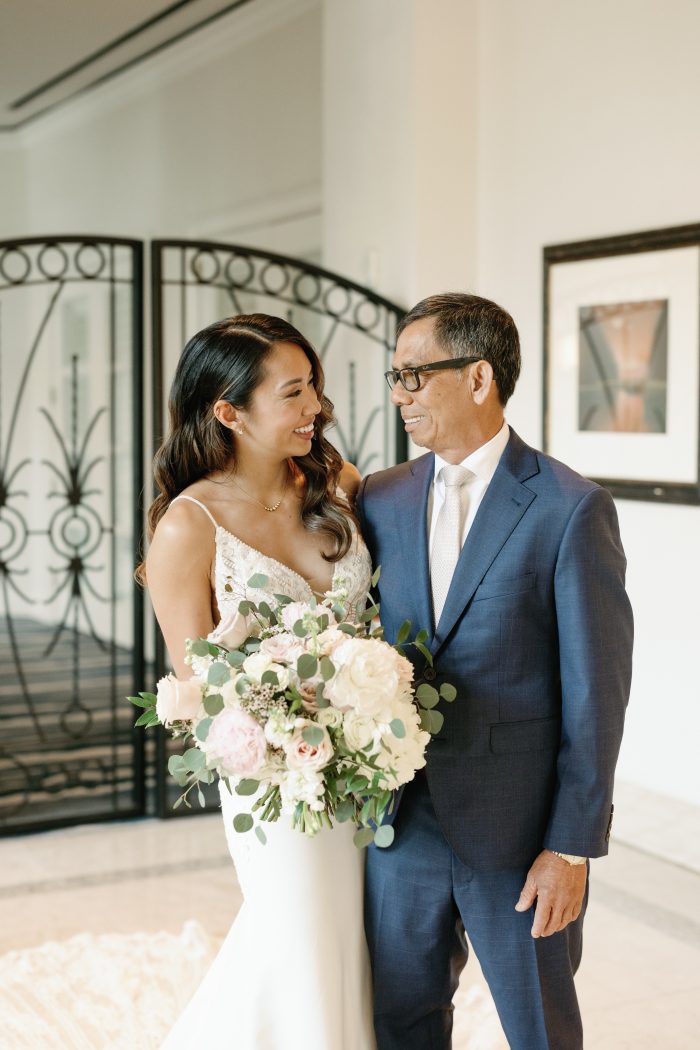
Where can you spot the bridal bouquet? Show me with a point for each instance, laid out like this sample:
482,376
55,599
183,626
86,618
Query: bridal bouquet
309,713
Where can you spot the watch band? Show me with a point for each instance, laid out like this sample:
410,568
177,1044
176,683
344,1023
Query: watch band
570,858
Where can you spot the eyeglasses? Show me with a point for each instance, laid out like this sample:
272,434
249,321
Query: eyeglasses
410,377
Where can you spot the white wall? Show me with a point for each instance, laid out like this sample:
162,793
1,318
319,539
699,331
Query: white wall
12,186
459,139
587,126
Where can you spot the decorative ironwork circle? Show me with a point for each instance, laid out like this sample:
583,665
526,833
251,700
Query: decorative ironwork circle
366,315
267,278
13,534
94,267
25,265
232,276
76,721
9,768
46,266
336,291
306,296
65,518
205,259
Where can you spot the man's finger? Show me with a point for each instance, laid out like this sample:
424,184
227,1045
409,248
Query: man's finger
527,895
542,916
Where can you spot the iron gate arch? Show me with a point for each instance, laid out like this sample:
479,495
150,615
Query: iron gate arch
353,328
71,477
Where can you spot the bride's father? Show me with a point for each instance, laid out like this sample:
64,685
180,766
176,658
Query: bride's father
515,563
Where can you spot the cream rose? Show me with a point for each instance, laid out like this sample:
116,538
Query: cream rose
304,756
359,730
178,701
284,648
233,629
330,717
369,677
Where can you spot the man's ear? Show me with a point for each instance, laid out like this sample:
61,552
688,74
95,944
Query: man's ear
481,382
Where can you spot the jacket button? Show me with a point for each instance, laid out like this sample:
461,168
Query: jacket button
430,674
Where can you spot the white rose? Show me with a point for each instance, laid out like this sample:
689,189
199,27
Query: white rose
294,611
369,676
359,730
330,717
329,640
304,756
256,664
178,701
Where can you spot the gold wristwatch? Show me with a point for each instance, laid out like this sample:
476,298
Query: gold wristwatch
570,858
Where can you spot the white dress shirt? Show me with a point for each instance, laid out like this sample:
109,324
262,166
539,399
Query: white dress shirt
482,463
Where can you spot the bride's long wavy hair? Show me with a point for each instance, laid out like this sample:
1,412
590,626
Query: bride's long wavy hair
226,362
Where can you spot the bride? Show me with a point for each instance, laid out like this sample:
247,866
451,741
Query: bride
249,484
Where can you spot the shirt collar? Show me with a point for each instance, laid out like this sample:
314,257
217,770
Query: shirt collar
484,460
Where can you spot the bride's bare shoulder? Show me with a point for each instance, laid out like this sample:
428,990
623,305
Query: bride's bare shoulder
349,480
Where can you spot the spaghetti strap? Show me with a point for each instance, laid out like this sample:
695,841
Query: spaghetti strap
205,509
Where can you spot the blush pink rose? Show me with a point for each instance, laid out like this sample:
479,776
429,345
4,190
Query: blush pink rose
177,701
282,648
233,629
236,743
304,756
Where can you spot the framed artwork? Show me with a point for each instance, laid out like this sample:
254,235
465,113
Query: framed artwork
622,361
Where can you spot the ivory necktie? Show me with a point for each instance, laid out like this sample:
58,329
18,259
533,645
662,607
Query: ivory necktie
447,538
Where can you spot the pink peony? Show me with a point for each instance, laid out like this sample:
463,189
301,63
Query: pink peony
236,743
177,701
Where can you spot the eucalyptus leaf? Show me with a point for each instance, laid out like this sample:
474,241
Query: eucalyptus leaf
427,696
384,836
448,692
299,630
357,783
242,684
321,701
244,607
202,730
200,798
369,614
258,581
261,835
199,647
213,704
175,764
194,759
313,735
242,822
404,631
363,837
218,674
282,599
398,728
269,678
247,786
265,610
307,665
344,810
375,575
327,668
235,658
348,628
436,721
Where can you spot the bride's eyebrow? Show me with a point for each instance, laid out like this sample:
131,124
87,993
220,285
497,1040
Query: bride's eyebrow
291,382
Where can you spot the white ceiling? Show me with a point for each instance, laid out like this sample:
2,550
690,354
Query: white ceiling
51,50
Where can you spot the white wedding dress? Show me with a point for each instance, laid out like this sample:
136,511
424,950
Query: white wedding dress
293,972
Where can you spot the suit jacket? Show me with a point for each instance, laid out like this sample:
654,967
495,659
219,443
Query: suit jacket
536,636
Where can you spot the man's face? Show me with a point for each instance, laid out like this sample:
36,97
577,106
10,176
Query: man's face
440,415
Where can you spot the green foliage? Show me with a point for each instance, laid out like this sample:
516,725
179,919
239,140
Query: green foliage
242,822
448,692
363,837
348,628
194,759
269,678
375,575
261,835
313,735
213,704
247,787
398,728
384,836
202,730
235,658
427,696
327,668
259,581
404,631
218,674
307,665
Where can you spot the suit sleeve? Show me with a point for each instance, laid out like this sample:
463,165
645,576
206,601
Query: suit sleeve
594,621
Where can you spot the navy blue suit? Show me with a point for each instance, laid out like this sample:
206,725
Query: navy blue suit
536,635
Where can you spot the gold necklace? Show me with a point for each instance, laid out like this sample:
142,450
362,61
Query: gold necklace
271,509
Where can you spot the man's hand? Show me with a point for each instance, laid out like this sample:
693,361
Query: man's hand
558,887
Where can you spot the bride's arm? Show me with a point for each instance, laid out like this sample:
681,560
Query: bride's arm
178,569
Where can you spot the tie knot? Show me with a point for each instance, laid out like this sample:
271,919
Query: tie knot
455,474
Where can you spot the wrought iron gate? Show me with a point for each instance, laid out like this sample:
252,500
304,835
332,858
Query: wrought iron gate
71,454
195,283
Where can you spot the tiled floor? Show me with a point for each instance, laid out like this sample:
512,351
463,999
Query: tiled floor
639,983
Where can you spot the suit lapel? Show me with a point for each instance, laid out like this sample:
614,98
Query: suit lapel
411,510
502,507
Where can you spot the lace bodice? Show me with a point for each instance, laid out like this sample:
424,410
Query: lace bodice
236,562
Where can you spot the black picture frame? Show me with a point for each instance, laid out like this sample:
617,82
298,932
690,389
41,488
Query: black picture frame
662,291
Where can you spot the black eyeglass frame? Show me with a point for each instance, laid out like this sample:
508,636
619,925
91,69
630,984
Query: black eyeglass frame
395,375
